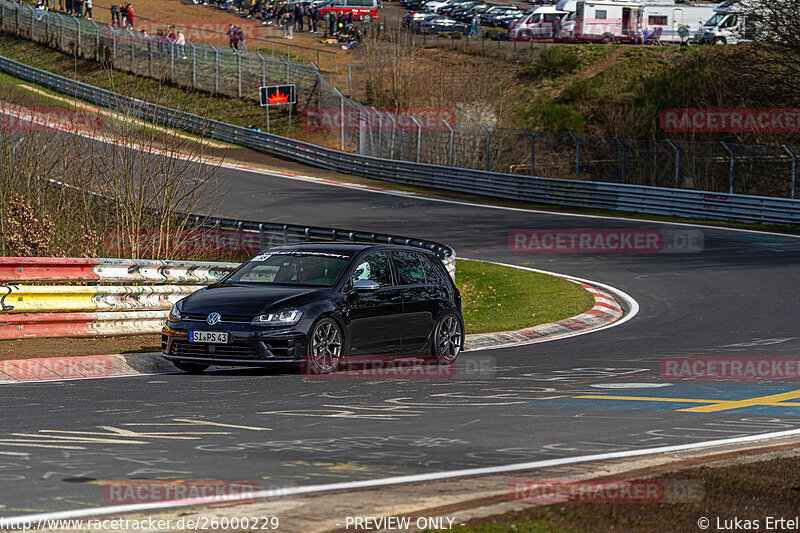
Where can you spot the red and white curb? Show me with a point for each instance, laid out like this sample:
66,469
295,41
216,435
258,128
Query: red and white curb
605,312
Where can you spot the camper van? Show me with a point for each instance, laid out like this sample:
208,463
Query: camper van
670,16
539,24
734,22
602,22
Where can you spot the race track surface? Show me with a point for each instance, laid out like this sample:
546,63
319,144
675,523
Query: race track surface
61,444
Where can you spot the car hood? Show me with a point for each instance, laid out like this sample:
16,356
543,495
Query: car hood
249,299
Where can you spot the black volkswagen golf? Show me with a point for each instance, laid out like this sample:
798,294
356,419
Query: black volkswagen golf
317,303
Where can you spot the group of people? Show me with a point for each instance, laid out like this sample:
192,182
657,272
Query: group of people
292,18
166,39
78,8
236,39
121,16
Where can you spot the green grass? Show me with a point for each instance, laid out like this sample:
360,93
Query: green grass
521,525
500,298
239,111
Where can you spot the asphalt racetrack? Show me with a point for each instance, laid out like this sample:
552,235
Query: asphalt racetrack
63,443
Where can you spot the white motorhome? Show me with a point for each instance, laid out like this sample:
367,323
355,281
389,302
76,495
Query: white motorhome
734,21
670,17
603,22
539,24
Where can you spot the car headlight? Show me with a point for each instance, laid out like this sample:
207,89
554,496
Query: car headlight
175,313
287,317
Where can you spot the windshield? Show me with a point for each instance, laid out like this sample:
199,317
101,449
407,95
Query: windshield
713,21
318,269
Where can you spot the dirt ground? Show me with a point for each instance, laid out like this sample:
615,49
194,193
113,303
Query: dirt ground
61,346
732,494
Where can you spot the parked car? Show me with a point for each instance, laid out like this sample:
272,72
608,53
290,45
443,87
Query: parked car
487,16
440,24
319,303
465,15
540,24
413,20
460,4
503,21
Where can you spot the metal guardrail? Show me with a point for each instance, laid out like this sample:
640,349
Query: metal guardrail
549,191
78,297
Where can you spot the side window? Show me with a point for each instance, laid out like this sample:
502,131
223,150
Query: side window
430,271
409,268
374,266
600,14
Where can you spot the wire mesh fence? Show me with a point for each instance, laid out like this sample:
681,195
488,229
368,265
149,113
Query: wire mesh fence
410,136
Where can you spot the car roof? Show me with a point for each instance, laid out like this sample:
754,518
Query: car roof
351,248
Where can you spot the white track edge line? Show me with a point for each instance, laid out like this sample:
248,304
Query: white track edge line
397,480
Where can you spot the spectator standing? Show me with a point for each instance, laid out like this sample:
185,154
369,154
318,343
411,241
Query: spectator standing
77,6
290,23
240,38
350,17
129,13
114,14
231,35
88,5
160,39
314,19
180,40
332,21
298,16
69,7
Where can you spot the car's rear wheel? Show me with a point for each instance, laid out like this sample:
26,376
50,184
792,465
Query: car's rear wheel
448,338
325,346
192,368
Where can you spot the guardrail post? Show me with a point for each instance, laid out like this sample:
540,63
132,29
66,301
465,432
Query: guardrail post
533,149
452,143
677,164
488,144
419,136
577,156
732,166
624,156
794,167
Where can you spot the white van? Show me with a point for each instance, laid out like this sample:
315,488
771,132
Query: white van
734,22
538,25
669,17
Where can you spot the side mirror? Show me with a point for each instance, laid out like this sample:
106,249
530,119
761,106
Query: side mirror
366,285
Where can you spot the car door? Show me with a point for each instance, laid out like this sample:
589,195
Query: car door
374,319
420,301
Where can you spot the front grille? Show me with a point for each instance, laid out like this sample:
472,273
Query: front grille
226,319
233,350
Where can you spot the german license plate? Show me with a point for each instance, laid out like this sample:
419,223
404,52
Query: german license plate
212,337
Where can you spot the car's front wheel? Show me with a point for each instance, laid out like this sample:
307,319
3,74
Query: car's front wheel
192,368
448,338
324,347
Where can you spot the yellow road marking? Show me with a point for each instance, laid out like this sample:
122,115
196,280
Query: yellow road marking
712,406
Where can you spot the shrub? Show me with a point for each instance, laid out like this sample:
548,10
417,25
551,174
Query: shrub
553,62
457,35
561,117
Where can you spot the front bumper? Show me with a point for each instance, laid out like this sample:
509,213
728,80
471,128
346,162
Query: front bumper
248,345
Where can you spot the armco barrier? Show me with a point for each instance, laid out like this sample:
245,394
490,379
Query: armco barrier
77,297
558,192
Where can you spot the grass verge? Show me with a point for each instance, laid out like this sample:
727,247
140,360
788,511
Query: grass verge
747,492
495,298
